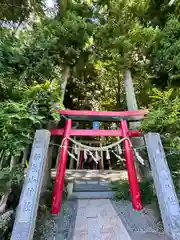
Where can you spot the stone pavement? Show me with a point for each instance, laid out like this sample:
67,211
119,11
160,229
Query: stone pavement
97,220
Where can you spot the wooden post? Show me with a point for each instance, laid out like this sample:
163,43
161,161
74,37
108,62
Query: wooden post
131,102
101,153
81,157
78,158
28,205
167,198
71,163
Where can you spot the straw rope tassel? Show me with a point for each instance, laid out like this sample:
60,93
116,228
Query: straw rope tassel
96,161
97,156
139,158
107,154
85,154
118,157
72,155
76,149
119,149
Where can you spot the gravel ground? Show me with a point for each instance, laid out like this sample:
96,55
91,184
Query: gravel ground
137,221
58,227
61,227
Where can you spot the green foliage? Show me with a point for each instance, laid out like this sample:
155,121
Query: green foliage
8,178
164,117
17,11
122,191
158,12
164,113
147,191
19,119
97,41
14,10
166,54
4,180
33,57
6,224
31,63
122,36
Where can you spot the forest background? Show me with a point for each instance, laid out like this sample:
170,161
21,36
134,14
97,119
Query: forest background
77,54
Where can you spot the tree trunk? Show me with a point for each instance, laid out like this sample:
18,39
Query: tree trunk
62,4
118,94
1,159
171,2
25,156
47,174
65,76
129,88
3,202
131,102
64,82
12,163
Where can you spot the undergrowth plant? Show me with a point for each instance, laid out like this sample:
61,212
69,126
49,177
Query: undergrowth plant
122,190
164,118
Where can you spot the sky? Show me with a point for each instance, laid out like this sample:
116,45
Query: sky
50,3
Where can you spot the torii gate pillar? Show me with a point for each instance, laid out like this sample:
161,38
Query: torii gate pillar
61,169
132,176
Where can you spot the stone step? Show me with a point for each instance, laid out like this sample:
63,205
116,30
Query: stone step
91,195
91,186
95,175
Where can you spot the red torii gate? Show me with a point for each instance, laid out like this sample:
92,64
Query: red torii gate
67,131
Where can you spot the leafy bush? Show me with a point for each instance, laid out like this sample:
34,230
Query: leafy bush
20,117
6,224
122,191
164,114
164,117
10,178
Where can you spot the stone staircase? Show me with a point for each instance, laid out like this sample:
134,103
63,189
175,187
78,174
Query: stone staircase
93,175
94,184
90,208
90,190
115,220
